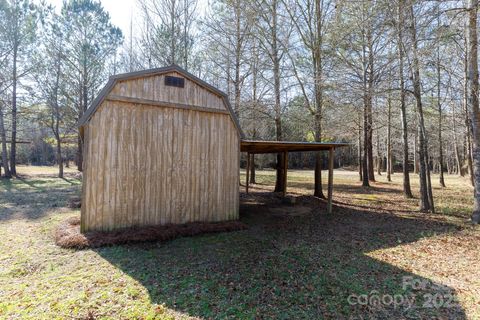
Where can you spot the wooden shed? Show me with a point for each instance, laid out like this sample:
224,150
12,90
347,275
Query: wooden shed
160,147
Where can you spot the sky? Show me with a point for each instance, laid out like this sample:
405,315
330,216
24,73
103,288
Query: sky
120,11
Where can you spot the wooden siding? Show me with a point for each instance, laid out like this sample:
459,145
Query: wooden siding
153,88
150,165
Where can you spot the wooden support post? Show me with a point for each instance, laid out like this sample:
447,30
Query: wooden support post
285,166
248,172
330,179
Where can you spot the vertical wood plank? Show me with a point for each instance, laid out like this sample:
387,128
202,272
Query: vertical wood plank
169,167
205,167
148,186
131,168
102,154
85,183
108,162
153,165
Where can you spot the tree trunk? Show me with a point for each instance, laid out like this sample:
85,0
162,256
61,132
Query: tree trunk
318,159
3,136
470,157
458,161
379,156
59,158
255,100
185,34
473,102
370,82
439,106
389,141
365,181
252,169
280,182
429,179
426,201
83,108
238,55
367,162
407,191
468,124
13,145
359,148
173,19
318,78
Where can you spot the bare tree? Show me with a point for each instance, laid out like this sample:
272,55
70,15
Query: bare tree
468,124
389,137
473,102
228,30
360,45
407,191
51,85
272,38
168,38
90,40
310,19
19,27
4,54
426,196
3,136
439,97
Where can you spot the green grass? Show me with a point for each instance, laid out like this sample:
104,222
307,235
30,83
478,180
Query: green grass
281,267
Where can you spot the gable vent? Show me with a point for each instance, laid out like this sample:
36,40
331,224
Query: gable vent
174,81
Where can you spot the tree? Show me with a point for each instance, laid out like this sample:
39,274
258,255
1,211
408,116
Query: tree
426,196
4,54
401,53
468,123
90,40
3,136
273,37
389,137
228,31
310,18
19,25
439,97
361,50
52,84
168,36
473,101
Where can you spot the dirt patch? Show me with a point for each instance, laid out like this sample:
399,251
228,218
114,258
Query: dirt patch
68,234
294,211
75,203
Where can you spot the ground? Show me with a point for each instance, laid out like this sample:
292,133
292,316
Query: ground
375,256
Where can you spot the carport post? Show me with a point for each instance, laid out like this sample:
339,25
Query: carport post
330,179
248,172
285,167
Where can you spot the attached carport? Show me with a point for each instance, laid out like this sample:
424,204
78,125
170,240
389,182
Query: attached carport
252,147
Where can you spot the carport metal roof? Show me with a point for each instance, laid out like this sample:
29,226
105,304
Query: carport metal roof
256,146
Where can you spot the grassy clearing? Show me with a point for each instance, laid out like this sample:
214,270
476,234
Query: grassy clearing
285,265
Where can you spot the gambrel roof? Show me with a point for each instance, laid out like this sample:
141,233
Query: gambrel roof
153,72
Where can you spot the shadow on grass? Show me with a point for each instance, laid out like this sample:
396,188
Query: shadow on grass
379,188
70,181
33,197
287,266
